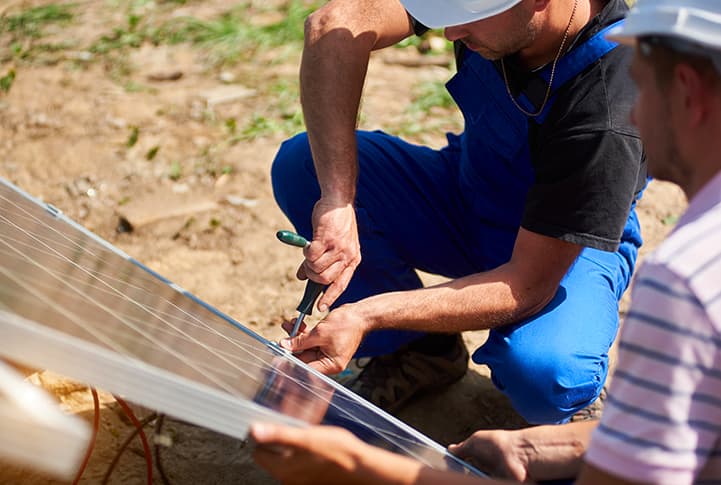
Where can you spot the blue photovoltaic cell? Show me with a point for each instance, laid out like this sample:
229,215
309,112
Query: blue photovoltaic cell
73,284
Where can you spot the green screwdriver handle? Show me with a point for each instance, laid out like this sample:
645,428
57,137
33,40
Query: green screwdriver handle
292,238
312,289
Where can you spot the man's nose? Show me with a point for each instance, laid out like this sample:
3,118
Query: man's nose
454,33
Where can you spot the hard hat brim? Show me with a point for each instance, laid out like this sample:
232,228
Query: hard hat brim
455,12
690,24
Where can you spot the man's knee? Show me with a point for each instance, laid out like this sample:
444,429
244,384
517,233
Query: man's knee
550,389
557,402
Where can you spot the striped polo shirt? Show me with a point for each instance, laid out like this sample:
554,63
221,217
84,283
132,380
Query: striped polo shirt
662,420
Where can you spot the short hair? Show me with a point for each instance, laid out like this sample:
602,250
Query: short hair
665,53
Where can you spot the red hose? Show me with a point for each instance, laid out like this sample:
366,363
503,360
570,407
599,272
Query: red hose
143,438
93,436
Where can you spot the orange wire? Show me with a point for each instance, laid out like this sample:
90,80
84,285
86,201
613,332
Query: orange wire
93,436
143,438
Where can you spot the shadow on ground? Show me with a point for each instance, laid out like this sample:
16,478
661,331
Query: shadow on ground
471,404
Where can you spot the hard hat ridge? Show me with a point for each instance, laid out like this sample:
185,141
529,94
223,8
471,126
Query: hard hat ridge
697,21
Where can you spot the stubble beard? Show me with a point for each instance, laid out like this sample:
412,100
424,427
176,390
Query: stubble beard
506,47
672,167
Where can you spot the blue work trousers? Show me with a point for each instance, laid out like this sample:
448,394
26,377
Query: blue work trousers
411,215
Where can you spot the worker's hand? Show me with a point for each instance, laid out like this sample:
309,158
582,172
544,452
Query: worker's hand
334,253
496,452
329,346
315,455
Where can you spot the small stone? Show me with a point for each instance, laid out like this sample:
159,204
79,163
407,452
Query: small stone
240,201
83,56
40,120
225,94
165,76
116,122
437,44
222,180
226,77
180,188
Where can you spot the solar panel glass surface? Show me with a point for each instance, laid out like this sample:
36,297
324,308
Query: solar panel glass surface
74,303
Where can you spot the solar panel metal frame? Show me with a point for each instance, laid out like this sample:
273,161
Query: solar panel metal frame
34,343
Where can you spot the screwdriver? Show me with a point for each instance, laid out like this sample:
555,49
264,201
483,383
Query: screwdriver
312,288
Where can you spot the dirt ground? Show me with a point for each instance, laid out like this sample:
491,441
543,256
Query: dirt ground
166,155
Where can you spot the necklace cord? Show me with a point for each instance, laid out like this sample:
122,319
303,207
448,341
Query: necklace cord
553,71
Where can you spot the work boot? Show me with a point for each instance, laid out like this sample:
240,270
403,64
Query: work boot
593,410
390,381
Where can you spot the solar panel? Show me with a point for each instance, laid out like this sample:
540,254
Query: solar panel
35,431
73,303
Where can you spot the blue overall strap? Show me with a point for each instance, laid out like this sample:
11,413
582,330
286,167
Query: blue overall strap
495,170
570,65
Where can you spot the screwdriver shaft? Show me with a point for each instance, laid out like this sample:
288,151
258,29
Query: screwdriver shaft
296,325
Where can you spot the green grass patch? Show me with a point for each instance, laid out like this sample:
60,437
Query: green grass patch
282,116
259,125
430,94
122,38
133,137
30,23
152,153
175,171
7,80
230,37
432,111
670,220
23,32
227,39
424,43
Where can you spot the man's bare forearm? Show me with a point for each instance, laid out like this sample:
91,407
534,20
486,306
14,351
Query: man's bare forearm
509,293
474,302
531,454
555,451
338,41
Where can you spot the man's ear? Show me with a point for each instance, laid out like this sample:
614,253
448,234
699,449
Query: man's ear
692,90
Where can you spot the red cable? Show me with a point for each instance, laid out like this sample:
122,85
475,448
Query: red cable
93,436
143,438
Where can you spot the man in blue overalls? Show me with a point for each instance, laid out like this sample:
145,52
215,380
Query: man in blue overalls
529,212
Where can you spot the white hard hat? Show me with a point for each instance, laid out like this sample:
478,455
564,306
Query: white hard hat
446,13
696,21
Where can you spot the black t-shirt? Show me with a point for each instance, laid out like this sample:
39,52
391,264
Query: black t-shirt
587,156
